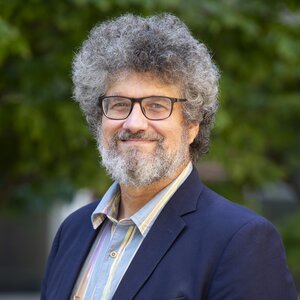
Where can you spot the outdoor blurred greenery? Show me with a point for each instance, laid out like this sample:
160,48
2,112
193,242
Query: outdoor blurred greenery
46,149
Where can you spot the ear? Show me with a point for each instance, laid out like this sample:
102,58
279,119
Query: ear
193,130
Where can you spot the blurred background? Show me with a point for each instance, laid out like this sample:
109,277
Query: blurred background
49,164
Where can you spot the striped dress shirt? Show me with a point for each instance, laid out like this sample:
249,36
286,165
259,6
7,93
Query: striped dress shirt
118,241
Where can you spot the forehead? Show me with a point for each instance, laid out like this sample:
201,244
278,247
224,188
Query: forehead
132,84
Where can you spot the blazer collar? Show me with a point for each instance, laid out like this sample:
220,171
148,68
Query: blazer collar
159,239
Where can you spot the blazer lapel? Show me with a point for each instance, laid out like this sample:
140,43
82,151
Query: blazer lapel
157,242
77,257
162,235
75,249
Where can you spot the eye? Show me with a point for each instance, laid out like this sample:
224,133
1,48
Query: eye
157,104
119,104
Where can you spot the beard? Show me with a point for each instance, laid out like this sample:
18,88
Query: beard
135,167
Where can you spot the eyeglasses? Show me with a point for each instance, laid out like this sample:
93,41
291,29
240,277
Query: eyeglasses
153,107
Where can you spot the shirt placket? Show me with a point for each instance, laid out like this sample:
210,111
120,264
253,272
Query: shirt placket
112,262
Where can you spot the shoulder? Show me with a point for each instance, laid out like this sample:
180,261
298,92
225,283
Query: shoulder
77,225
249,257
251,260
227,217
223,209
201,208
221,222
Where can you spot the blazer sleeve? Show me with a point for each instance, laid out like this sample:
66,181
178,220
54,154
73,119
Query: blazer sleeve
53,252
253,266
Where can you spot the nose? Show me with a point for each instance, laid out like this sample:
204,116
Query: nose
136,121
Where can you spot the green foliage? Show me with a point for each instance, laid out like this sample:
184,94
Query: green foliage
46,149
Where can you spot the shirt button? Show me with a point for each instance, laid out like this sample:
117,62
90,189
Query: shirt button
113,254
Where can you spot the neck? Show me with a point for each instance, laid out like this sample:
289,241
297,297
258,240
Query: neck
134,198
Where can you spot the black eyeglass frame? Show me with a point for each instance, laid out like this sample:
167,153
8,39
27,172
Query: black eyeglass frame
139,100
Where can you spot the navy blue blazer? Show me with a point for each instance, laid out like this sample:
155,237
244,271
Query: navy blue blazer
201,246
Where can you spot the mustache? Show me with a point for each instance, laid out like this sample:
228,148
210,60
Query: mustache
140,135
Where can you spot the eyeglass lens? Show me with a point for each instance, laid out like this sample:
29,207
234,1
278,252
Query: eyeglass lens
154,108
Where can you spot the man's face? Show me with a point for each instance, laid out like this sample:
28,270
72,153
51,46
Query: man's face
137,151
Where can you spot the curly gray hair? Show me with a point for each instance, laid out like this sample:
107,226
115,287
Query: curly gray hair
161,45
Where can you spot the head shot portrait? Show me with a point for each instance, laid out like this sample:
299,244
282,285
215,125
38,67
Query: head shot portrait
149,92
160,51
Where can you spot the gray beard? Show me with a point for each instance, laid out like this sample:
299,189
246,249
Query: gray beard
139,169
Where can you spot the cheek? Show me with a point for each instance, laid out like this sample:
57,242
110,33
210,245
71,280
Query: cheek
171,131
109,127
173,139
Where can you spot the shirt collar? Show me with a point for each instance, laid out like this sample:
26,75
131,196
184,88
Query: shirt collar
145,217
108,206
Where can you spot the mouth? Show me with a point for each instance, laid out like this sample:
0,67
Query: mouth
137,138
137,141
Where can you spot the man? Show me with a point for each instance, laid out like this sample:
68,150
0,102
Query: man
149,92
